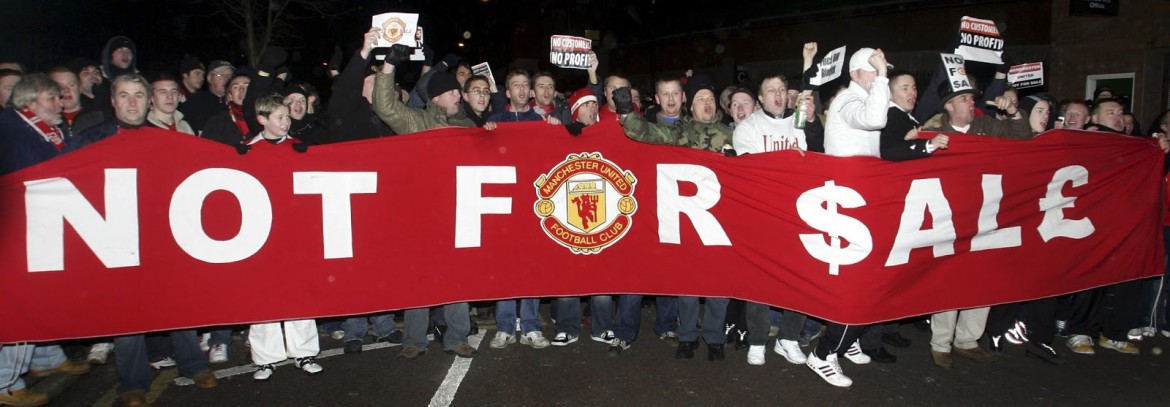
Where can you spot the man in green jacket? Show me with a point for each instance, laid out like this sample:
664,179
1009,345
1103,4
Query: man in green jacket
702,129
442,109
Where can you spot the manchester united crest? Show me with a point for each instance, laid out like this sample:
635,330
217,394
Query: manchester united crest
586,202
393,29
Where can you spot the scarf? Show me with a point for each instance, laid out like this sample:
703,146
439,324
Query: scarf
50,132
237,115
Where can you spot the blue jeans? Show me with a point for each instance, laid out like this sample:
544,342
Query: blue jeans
629,317
601,309
667,315
714,314
415,323
529,315
132,366
356,328
568,316
17,359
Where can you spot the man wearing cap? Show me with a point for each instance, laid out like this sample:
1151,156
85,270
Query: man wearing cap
442,111
858,113
202,105
191,70
959,115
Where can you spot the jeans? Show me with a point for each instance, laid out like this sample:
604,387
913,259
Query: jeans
16,359
666,319
131,363
629,317
601,309
568,315
529,315
415,323
356,328
714,314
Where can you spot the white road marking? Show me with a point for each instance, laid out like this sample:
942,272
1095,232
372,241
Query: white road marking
455,375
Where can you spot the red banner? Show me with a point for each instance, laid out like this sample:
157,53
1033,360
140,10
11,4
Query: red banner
152,230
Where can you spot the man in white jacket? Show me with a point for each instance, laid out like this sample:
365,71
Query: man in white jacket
858,114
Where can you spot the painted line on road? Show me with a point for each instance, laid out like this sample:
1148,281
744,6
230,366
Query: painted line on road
455,375
243,369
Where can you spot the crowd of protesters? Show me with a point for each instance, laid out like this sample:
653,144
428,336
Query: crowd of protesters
878,112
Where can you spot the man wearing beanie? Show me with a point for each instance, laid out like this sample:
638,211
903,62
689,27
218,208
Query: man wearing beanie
192,72
959,116
442,108
442,111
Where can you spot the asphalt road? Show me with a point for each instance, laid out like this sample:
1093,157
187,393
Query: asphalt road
582,374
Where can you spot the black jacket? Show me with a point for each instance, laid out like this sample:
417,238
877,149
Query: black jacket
894,146
351,117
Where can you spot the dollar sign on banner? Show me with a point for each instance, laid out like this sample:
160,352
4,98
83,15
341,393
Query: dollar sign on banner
818,208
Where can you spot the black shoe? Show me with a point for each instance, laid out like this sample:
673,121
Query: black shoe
880,355
438,331
686,350
474,328
995,345
394,337
353,346
896,340
1043,352
715,352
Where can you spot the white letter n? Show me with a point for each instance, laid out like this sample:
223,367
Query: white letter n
49,203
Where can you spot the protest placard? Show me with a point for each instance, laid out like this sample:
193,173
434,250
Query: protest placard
1027,75
570,52
979,41
829,68
397,28
484,69
956,73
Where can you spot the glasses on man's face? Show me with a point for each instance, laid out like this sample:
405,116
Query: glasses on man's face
479,92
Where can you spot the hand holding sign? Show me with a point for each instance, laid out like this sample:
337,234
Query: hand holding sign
369,41
828,69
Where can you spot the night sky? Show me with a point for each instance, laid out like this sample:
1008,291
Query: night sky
44,33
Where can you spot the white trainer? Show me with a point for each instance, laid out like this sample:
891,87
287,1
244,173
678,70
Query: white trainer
829,369
264,373
790,350
217,354
203,342
756,354
99,353
855,355
535,339
309,365
502,340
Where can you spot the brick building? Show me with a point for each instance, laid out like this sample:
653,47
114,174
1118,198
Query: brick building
1130,47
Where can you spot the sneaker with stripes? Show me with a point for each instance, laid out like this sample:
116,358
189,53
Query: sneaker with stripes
829,369
855,355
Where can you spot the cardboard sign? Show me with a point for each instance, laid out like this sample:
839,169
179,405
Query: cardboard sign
484,69
830,67
1027,75
570,52
956,73
418,54
397,28
979,41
